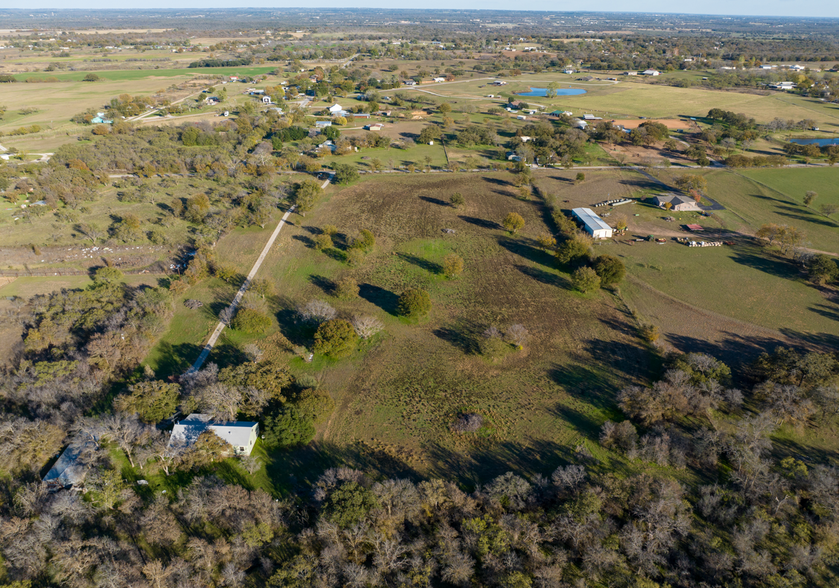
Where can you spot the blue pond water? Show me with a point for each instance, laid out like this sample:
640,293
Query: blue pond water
544,92
819,142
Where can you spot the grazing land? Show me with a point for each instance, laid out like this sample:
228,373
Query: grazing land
437,377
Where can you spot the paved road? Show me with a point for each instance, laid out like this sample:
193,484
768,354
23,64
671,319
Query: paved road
238,298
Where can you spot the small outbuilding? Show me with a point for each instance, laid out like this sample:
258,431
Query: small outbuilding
335,108
67,471
593,224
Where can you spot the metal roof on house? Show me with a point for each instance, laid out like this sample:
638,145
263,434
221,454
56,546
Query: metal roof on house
187,431
67,471
590,219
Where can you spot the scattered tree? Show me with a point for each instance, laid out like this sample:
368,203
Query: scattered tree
513,222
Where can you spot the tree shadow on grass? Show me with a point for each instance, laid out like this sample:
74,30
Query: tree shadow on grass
766,262
335,254
305,240
463,334
479,222
734,350
544,277
526,248
429,266
497,181
297,470
807,453
226,354
435,201
326,285
176,359
384,299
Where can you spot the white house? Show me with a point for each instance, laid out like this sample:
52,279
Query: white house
240,435
783,86
409,83
592,223
631,73
335,108
651,72
499,83
568,70
439,79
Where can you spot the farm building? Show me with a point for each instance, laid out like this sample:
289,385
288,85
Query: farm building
240,435
592,223
322,124
678,202
375,127
335,108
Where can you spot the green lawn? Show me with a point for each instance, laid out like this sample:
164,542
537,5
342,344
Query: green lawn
778,198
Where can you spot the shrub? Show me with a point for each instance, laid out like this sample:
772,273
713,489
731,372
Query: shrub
467,423
355,257
573,252
414,303
365,240
91,77
492,345
335,339
546,242
649,333
252,321
323,242
581,177
290,427
517,335
367,326
457,200
513,222
452,265
346,288
330,230
610,269
822,269
585,279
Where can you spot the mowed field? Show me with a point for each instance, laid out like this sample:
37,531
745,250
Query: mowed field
398,395
732,298
637,99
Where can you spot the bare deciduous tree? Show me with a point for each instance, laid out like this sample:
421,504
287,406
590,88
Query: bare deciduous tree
316,311
366,326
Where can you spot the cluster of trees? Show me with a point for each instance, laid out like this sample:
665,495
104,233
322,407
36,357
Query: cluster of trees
748,516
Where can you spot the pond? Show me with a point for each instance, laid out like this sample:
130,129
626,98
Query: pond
560,92
819,142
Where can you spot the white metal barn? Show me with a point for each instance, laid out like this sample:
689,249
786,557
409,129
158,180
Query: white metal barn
592,223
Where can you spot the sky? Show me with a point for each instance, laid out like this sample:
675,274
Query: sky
819,8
